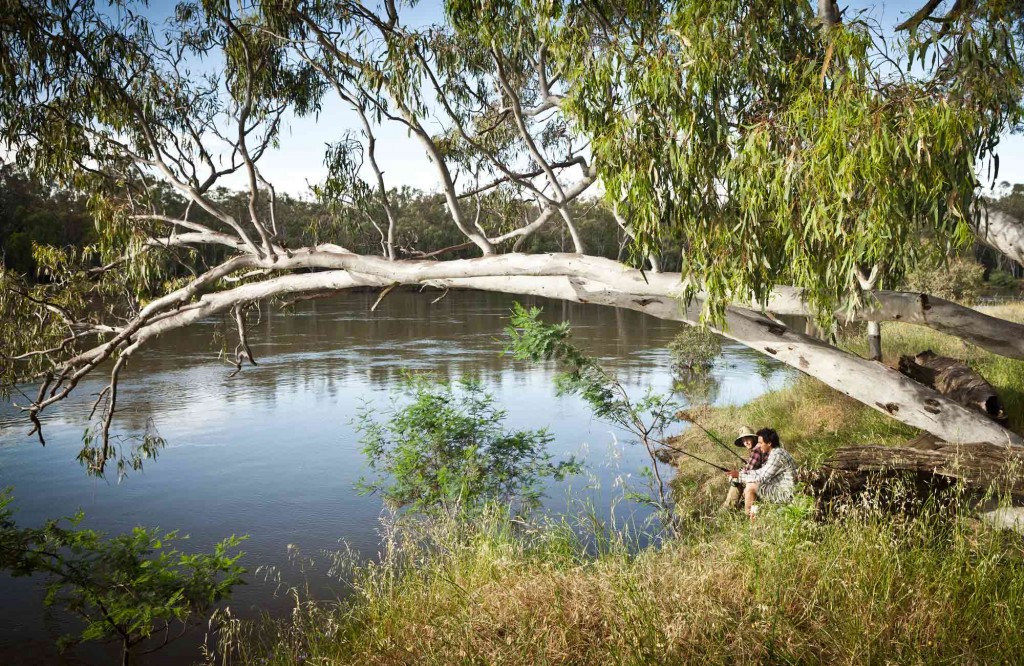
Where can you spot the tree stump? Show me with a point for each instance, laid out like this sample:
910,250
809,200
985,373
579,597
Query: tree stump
956,380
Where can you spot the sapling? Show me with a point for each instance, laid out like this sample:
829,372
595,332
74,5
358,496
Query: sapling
646,418
446,450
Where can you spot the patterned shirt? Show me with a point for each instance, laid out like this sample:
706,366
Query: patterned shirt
776,479
756,459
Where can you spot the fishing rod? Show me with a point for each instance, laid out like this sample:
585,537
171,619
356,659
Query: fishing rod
687,453
688,417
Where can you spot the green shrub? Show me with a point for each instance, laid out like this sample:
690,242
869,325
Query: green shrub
137,588
958,279
447,451
695,348
1002,279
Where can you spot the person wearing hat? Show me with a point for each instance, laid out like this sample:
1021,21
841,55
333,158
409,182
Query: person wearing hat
748,439
775,480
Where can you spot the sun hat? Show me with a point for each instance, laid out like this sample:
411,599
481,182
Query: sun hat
745,431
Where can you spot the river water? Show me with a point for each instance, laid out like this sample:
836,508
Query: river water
272,453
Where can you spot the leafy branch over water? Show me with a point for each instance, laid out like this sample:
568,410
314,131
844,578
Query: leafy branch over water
136,589
646,418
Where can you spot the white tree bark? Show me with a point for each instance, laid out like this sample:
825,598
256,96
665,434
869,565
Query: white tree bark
1002,232
591,280
993,334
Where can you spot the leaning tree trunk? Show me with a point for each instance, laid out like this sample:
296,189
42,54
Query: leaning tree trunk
999,336
592,280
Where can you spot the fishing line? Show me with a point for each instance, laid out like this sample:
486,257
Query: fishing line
686,416
688,454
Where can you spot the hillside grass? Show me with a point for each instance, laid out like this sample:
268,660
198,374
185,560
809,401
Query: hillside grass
864,588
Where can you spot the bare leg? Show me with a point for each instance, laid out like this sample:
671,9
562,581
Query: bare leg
749,496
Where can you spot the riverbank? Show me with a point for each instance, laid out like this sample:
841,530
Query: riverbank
865,589
814,420
862,589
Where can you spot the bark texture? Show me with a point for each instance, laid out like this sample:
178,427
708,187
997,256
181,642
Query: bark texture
955,379
1001,232
874,341
993,334
930,460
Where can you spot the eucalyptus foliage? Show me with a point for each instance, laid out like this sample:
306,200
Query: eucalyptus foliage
773,146
763,142
778,147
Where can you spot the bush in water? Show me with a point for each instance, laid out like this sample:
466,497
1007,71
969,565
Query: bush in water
447,451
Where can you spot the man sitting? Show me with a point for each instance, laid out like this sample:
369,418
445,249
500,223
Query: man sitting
755,459
775,481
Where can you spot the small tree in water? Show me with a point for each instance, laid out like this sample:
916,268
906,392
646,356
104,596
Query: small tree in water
693,351
694,348
447,451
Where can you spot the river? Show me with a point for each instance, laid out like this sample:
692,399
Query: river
272,454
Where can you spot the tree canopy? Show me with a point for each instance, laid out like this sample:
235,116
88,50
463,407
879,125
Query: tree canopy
797,157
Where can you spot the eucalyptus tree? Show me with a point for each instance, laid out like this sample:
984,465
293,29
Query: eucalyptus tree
802,159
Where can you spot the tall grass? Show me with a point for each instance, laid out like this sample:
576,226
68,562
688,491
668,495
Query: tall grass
863,589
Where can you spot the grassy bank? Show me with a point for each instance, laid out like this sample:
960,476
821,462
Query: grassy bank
864,589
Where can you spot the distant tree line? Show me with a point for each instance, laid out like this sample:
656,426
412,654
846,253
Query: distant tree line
32,212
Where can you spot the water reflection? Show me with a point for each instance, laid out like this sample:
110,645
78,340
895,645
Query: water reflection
271,452
696,386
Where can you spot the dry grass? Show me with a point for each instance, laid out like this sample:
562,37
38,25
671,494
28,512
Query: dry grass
860,591
1011,311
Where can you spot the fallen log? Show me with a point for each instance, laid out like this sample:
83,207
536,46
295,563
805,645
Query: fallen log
979,466
955,379
930,464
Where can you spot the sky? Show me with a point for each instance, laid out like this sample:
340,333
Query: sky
298,162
